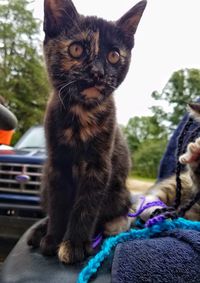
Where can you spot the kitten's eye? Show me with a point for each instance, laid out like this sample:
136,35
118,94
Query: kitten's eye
113,57
76,50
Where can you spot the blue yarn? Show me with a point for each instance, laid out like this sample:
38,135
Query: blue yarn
145,233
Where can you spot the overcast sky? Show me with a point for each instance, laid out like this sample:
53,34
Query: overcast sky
167,39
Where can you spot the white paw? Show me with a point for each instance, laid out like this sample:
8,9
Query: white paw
64,252
192,154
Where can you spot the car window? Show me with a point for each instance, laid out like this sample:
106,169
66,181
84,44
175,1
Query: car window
33,138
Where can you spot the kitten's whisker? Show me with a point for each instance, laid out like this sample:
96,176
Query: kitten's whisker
114,88
109,85
60,92
67,84
61,100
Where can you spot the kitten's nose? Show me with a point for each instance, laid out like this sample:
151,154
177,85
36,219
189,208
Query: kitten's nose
97,69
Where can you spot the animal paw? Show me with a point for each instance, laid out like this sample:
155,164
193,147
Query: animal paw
64,252
192,154
48,245
117,225
70,253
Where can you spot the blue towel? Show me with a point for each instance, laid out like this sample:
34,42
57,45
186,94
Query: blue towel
173,257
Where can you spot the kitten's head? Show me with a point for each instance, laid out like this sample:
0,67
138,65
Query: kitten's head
87,54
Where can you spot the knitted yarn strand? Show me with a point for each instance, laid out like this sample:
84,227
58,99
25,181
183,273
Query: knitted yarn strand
178,164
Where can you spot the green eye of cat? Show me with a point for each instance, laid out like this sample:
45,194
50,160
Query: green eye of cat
113,57
76,50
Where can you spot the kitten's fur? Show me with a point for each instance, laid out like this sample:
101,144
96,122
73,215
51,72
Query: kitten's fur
190,178
88,160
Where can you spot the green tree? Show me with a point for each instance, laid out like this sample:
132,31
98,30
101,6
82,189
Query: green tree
183,87
147,140
148,156
23,80
143,128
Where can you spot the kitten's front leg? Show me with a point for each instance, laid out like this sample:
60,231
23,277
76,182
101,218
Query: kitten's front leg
59,204
76,243
56,226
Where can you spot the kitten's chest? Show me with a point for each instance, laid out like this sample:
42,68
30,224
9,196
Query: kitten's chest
82,125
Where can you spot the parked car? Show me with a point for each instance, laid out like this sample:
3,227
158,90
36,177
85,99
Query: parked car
20,183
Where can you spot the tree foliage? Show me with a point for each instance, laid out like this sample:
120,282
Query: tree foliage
23,80
147,141
147,157
147,136
140,129
183,87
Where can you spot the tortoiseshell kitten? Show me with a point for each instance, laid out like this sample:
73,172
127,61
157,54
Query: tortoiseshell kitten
88,161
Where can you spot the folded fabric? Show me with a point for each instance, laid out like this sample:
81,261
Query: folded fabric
172,257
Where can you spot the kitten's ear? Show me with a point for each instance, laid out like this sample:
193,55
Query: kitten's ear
129,22
58,15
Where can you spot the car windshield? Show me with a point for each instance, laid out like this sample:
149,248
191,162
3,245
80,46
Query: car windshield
33,138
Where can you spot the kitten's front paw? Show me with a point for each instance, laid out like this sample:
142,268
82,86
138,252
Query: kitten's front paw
65,252
48,245
192,154
69,253
117,225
